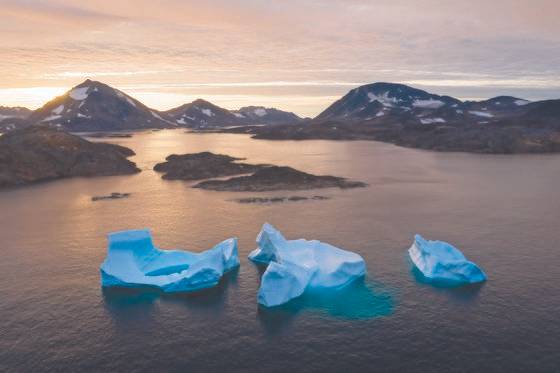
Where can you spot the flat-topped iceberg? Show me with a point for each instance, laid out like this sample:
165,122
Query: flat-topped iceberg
441,262
133,261
297,265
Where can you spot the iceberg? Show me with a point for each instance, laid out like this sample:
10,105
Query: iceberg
441,262
133,261
297,265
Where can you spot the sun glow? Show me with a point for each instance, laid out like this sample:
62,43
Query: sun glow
32,97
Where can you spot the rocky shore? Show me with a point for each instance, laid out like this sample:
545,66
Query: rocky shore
39,153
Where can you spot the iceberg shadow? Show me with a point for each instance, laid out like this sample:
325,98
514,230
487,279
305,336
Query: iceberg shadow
458,291
360,300
126,305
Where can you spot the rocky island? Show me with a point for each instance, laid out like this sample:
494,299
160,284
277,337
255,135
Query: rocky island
114,195
255,177
274,178
203,165
39,153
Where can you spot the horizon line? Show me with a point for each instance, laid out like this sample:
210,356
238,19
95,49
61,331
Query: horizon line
57,91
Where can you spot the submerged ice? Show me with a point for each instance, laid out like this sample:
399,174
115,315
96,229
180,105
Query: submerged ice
441,262
297,265
133,261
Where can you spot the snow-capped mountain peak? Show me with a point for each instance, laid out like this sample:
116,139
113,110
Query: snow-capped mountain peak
263,115
203,114
367,101
93,105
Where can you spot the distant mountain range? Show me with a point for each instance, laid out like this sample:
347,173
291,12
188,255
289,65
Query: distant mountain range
13,117
380,111
412,117
388,102
14,112
260,115
94,106
203,114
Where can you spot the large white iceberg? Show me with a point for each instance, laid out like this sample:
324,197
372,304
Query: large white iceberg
441,262
133,261
297,265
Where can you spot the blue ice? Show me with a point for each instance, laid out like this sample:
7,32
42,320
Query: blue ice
441,262
297,265
133,261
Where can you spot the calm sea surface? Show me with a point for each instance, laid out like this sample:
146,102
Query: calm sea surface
502,211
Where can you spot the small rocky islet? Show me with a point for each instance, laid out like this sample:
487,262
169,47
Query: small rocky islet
274,178
279,199
113,195
204,165
260,178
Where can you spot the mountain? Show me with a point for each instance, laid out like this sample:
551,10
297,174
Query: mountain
202,114
13,117
541,114
41,153
13,123
94,106
14,112
412,117
504,104
262,115
386,103
380,100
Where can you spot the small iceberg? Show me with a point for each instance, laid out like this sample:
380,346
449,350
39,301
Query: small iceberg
133,261
441,262
297,265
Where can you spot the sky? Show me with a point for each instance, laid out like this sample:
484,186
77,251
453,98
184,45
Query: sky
297,55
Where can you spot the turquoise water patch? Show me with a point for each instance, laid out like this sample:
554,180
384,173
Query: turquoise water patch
362,299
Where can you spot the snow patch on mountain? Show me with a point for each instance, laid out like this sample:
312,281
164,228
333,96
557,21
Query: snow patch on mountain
428,104
432,120
260,112
384,99
207,112
58,110
481,114
125,97
156,115
51,118
79,94
130,101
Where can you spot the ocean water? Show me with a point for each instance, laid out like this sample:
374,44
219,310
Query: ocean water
503,212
